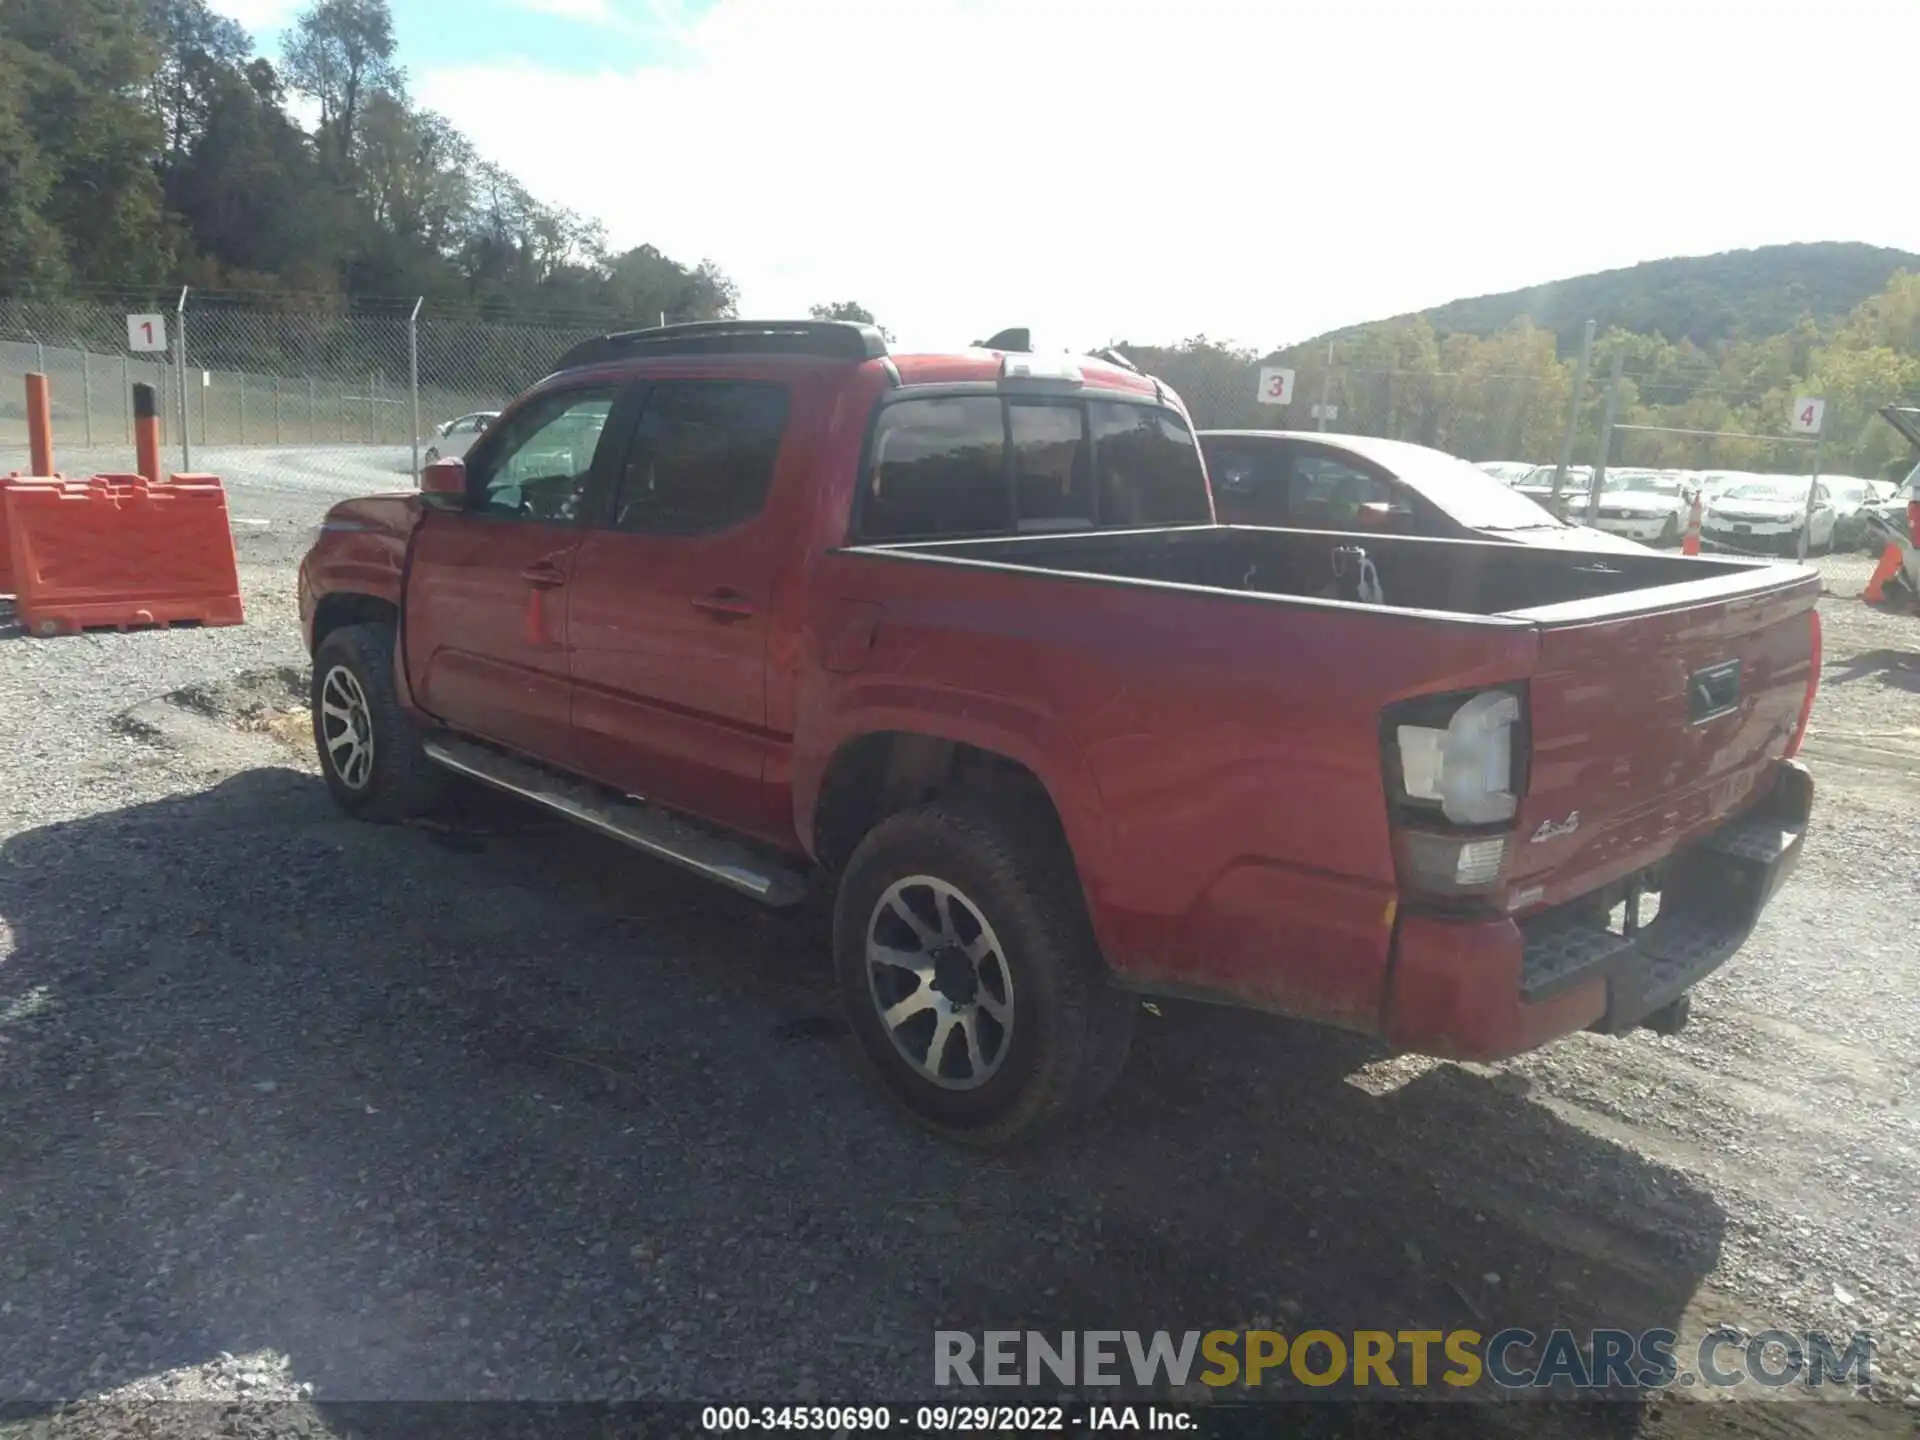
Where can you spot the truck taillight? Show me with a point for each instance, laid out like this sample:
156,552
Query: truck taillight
1813,680
1913,521
1455,766
1459,763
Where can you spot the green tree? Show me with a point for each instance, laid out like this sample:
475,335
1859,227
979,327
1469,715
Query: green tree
81,142
848,310
338,54
197,52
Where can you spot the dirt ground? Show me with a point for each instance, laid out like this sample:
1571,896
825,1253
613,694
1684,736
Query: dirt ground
302,1111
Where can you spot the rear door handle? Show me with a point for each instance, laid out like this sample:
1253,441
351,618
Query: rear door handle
724,605
544,575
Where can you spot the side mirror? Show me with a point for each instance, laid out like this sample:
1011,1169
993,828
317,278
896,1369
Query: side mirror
443,484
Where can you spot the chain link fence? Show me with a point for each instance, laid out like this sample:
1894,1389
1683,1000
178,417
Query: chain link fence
1478,417
246,375
336,383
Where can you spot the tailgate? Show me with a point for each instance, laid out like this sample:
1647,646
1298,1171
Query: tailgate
1654,716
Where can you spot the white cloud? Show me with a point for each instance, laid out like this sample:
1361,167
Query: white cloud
1251,171
598,12
259,16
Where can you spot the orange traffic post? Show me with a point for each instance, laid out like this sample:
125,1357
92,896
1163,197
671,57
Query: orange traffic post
1691,544
39,424
146,433
1890,561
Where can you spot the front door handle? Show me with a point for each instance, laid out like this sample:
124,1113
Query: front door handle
544,575
725,605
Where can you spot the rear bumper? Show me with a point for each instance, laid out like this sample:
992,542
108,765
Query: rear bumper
1492,988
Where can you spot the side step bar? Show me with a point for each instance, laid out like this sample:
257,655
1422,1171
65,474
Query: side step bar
634,822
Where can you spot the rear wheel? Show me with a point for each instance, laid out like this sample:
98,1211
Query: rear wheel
968,971
369,747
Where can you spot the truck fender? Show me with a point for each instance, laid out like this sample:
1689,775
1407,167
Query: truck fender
984,722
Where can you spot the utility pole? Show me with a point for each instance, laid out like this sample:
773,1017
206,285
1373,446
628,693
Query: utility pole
1573,412
180,374
1606,436
1326,387
1806,520
413,378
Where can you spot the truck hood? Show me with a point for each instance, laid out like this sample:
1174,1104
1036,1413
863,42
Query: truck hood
394,515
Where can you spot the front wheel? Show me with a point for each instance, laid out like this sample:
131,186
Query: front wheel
968,972
369,747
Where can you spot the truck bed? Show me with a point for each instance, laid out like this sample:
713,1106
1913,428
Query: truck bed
1438,577
1227,694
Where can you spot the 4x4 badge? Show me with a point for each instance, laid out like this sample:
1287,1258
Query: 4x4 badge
1550,831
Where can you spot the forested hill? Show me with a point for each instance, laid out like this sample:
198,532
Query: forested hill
1708,299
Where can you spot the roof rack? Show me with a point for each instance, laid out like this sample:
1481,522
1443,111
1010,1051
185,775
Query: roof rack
834,339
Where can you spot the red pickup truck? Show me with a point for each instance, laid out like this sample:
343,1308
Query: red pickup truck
957,637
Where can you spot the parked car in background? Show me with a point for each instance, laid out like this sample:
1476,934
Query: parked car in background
1537,485
1892,508
1649,505
1718,482
1851,495
1309,480
1507,472
1767,513
455,436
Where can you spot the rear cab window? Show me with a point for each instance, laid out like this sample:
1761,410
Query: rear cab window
948,466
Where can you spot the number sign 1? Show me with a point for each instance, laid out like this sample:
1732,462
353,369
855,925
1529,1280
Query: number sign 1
147,333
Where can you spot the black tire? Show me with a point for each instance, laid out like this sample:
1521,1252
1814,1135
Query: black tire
1070,1024
397,780
1670,532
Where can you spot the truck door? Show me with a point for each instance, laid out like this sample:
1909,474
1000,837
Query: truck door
486,603
668,600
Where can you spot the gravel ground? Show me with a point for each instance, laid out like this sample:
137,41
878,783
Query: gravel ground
300,1110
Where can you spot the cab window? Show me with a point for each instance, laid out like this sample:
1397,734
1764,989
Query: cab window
538,464
1326,494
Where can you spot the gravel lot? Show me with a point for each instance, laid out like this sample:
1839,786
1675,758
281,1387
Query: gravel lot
303,1110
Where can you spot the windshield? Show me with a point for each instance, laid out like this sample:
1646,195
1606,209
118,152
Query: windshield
1643,482
1472,496
1541,478
1757,490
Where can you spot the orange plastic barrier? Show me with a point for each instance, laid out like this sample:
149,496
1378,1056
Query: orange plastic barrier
7,482
116,553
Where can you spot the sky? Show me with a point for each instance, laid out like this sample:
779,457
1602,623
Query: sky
1147,172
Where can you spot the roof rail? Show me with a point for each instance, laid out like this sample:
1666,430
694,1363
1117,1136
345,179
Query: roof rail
834,339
